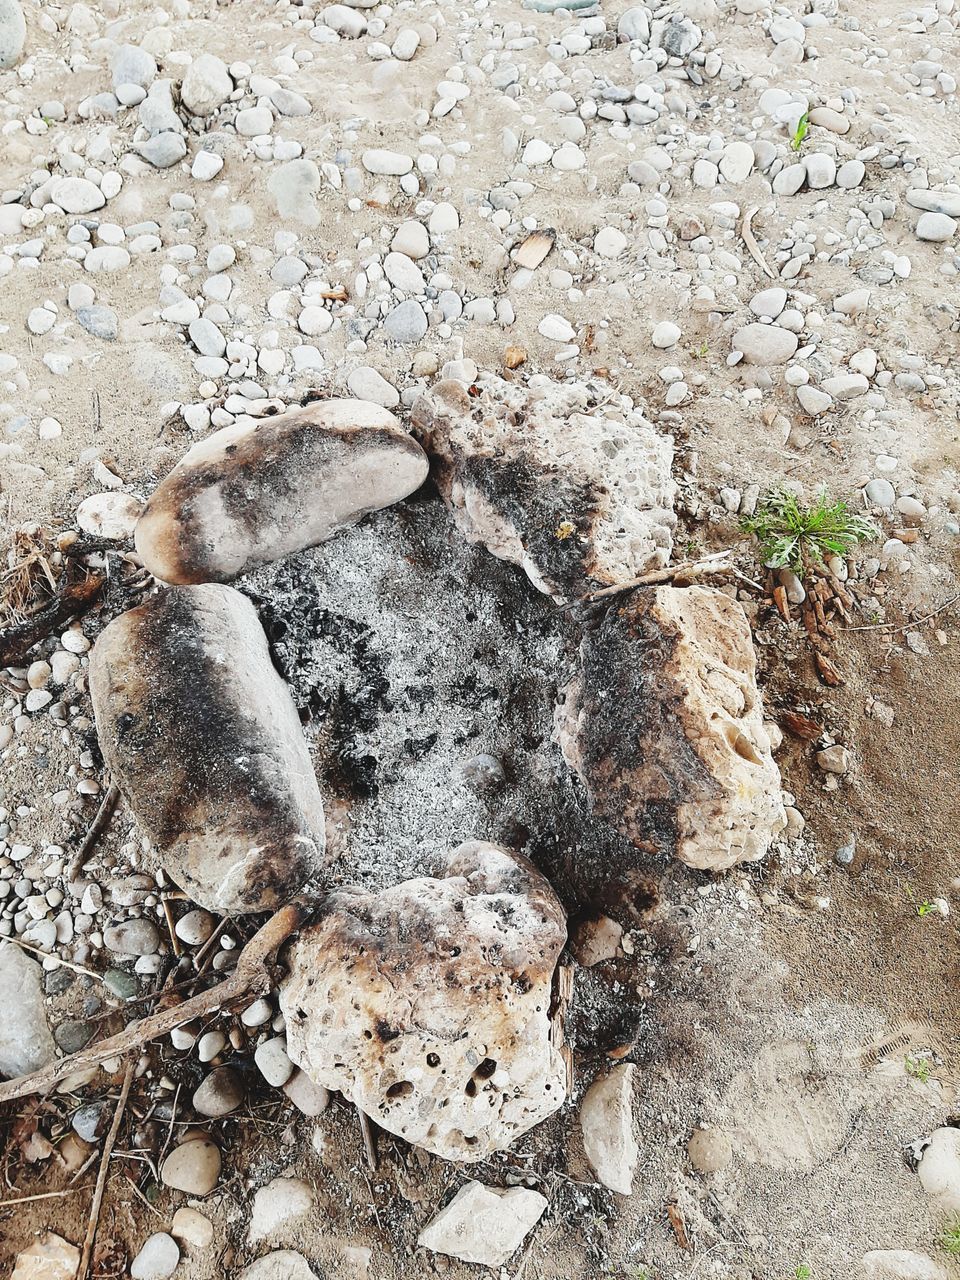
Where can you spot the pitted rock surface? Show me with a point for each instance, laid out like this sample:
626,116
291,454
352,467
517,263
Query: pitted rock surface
203,739
665,728
253,493
427,1004
578,494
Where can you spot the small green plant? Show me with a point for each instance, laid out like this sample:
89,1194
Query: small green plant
804,1271
918,1068
923,908
950,1238
701,352
800,132
798,537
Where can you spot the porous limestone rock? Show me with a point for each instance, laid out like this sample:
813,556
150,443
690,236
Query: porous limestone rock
25,1040
253,493
606,1121
427,1004
484,1224
664,726
203,739
579,495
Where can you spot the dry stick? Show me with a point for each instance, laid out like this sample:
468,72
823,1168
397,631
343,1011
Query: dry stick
746,234
709,564
369,1144
97,827
44,1195
250,976
892,628
49,955
97,1201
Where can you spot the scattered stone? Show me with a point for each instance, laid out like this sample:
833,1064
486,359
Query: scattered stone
162,151
157,1259
203,739
101,322
281,1201
406,323
271,1058
459,969
345,457
282,1264
13,35
604,515
709,1150
193,1167
765,344
939,1168
411,239
51,1257
484,1225
132,938
386,162
606,1122
191,1228
219,1094
25,1040
665,334
692,712
77,195
881,493
936,227
108,515
195,927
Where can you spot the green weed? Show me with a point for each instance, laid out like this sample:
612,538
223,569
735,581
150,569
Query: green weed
803,124
798,537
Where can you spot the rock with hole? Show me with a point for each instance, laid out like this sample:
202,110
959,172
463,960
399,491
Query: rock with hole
253,493
664,726
427,1004
578,494
203,739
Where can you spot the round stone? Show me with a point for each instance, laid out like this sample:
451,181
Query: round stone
193,1167
710,1150
665,334
936,227
221,1093
881,493
157,1259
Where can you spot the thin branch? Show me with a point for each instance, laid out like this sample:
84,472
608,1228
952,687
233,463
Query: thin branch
97,1201
249,977
716,563
369,1143
97,827
892,628
43,1195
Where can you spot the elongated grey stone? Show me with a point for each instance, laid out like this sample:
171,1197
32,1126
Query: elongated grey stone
248,495
202,737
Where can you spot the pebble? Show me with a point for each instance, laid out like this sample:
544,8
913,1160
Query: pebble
206,86
386,162
367,384
412,239
100,322
665,334
709,1150
77,195
610,242
821,171
210,1044
157,1258
192,1228
195,927
406,323
936,227
132,937
769,302
272,1061
193,1167
881,493
765,344
281,1201
556,328
219,1094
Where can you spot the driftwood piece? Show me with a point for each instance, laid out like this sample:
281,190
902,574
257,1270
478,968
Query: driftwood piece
249,978
74,596
97,827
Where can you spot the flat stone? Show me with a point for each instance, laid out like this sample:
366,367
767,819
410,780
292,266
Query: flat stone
136,937
468,1065
484,1225
406,323
99,321
157,1259
272,1061
192,1228
790,179
25,1041
946,202
901,1264
606,1122
386,163
411,238
367,384
132,65
220,1093
77,195
845,386
206,86
765,344
163,151
309,1098
204,741
827,118
51,1257
108,515
813,400
939,1168
936,227
821,171
192,1168
195,927
851,174
253,122
609,242
282,1264
769,302
403,273
288,103
227,508
737,162
281,1201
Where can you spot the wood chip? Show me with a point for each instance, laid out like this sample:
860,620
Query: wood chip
534,249
827,670
514,357
799,725
679,1226
782,603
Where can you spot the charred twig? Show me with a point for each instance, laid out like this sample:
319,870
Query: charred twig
893,628
97,1201
97,827
249,977
73,597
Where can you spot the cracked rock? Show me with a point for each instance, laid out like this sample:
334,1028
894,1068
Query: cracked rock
578,498
427,1004
204,741
664,726
250,494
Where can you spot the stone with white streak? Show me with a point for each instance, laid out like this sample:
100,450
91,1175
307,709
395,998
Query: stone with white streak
606,1122
664,726
484,1225
575,495
253,493
202,737
427,1004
